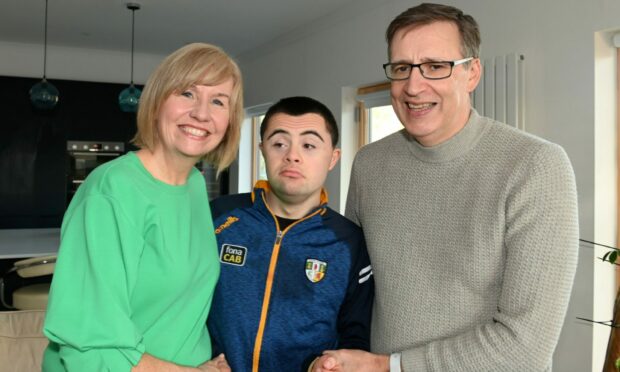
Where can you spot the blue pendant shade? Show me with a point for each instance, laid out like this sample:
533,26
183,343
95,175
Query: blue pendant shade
44,95
129,98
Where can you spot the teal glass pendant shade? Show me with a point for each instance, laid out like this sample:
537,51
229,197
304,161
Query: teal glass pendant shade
129,98
44,95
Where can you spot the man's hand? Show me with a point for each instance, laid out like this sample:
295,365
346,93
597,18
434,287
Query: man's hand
217,364
346,360
325,363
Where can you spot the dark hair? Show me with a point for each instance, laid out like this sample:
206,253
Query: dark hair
427,13
297,106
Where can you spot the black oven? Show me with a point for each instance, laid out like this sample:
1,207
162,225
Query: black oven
84,156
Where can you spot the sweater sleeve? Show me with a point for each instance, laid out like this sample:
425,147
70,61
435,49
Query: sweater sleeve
541,245
88,316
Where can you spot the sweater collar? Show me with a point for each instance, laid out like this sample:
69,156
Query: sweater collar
455,147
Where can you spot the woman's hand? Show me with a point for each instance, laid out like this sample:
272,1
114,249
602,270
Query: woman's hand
217,364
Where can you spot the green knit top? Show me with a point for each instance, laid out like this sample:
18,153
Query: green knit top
136,272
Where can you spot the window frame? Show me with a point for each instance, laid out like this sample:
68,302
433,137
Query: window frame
256,153
368,97
254,116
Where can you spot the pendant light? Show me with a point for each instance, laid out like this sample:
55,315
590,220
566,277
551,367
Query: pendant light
129,98
44,94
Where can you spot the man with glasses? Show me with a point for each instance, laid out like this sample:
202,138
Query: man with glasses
471,225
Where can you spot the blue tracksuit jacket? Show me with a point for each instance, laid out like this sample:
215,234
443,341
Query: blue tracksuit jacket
285,296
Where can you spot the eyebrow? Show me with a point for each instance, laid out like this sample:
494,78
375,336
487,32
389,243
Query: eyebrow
207,85
304,133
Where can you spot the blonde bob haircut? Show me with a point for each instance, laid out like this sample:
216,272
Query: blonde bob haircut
193,64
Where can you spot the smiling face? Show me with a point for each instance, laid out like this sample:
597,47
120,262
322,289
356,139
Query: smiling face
432,111
192,122
298,154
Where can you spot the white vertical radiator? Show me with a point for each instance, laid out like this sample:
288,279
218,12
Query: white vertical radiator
500,94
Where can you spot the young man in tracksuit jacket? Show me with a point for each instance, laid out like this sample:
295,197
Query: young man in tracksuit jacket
295,275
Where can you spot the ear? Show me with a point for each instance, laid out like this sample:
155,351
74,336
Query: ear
475,71
335,158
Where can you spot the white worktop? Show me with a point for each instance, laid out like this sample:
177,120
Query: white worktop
21,243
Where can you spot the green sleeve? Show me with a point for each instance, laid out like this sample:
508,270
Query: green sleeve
89,315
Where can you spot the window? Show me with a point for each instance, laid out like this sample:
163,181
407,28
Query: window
382,121
376,116
259,171
251,163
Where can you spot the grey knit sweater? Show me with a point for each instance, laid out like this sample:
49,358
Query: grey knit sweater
473,244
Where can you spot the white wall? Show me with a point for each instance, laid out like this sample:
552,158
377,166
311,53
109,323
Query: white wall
557,38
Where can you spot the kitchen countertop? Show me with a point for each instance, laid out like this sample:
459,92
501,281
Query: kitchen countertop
22,243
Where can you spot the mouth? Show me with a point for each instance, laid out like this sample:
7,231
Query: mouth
291,173
420,106
193,131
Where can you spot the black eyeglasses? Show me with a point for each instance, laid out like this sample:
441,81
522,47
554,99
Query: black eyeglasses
436,70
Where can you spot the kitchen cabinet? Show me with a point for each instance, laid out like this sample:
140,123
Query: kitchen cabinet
33,157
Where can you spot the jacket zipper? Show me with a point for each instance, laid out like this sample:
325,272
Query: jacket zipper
268,287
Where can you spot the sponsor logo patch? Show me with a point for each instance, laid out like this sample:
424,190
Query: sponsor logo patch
315,270
233,254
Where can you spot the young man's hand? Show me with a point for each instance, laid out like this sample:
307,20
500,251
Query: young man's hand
217,364
346,360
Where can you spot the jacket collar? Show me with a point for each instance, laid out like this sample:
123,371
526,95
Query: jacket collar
262,187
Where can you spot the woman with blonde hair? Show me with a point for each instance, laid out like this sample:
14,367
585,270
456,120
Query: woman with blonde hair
138,260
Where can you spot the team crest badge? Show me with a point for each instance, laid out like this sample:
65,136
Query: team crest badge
315,270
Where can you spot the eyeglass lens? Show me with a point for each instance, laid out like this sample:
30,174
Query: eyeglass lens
430,70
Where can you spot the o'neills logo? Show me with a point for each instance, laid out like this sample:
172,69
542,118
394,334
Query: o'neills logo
229,221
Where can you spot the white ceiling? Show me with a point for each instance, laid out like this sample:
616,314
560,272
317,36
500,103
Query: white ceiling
161,26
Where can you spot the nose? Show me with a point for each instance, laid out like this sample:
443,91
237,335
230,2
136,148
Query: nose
293,155
416,83
201,110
